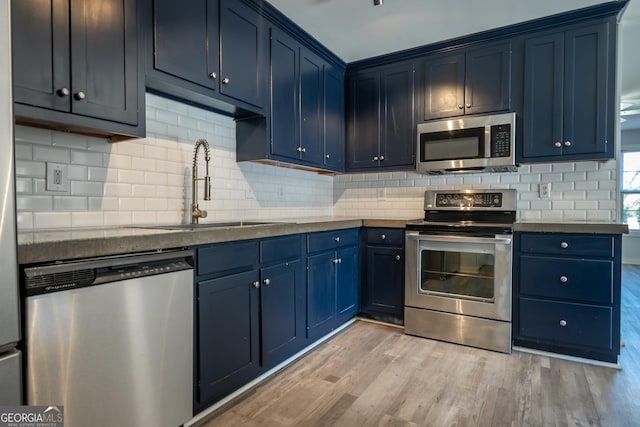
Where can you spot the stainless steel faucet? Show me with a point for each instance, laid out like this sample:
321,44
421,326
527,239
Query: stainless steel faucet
196,213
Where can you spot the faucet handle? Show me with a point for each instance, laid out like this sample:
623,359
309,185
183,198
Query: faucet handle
203,214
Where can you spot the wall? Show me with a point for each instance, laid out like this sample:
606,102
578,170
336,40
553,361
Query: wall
147,180
579,191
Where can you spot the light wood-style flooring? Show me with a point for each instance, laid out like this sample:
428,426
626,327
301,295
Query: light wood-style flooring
373,375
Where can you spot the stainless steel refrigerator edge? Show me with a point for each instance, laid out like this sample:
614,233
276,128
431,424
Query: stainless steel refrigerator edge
10,357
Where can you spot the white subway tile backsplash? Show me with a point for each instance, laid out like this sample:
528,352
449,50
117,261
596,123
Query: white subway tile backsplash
52,219
86,158
69,203
50,154
86,188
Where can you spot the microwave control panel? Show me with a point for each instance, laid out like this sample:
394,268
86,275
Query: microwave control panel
501,140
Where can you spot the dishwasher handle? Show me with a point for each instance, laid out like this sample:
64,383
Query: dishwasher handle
65,275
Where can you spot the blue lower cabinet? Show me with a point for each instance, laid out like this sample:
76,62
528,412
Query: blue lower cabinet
283,306
250,312
333,280
228,320
567,293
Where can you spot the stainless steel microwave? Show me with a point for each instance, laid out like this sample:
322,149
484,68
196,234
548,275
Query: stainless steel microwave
467,144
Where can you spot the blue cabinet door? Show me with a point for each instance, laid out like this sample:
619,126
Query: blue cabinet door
397,128
443,87
311,107
282,302
243,53
347,283
363,121
186,40
487,85
228,334
285,130
543,96
334,122
384,286
321,293
40,36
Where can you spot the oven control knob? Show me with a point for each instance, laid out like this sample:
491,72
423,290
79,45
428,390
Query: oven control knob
563,323
564,279
564,245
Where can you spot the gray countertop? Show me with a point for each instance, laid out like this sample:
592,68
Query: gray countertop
39,246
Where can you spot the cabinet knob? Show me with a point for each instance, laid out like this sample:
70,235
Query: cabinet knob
299,149
397,257
381,158
80,96
226,80
326,156
564,279
563,323
460,106
567,143
339,260
469,105
335,260
213,75
557,144
256,284
64,91
383,237
564,245
266,282
337,239
375,158
304,150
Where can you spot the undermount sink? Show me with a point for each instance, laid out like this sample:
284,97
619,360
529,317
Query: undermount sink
205,225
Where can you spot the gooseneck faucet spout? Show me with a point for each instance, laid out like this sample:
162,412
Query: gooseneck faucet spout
196,212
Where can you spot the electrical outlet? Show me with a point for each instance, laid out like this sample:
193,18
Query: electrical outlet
57,177
544,191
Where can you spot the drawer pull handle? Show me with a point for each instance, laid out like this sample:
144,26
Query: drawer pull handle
564,279
563,323
256,284
337,239
564,245
383,237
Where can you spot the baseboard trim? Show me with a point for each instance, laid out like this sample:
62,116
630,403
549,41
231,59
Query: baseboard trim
566,357
217,407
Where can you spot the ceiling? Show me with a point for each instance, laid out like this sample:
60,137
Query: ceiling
355,29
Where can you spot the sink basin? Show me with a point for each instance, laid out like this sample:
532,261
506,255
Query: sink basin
204,225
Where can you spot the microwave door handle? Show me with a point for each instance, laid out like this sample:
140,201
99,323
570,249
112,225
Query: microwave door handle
459,239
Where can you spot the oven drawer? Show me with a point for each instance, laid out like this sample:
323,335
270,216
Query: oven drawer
574,279
567,244
385,236
328,240
566,323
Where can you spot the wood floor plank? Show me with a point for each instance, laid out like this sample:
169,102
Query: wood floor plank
373,375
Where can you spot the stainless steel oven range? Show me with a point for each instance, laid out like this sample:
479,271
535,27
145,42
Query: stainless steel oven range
458,268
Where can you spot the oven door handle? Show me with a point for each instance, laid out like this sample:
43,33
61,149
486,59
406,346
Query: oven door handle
501,240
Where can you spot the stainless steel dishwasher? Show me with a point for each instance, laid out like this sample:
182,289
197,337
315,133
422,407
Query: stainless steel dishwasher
111,339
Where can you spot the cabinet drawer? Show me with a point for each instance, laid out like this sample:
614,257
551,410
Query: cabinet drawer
328,240
281,248
584,325
575,279
567,244
385,236
227,257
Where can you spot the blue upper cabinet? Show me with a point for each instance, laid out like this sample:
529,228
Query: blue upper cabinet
74,71
211,52
305,120
473,81
380,118
569,94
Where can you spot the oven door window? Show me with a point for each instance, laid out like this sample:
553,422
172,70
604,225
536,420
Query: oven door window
455,144
464,273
